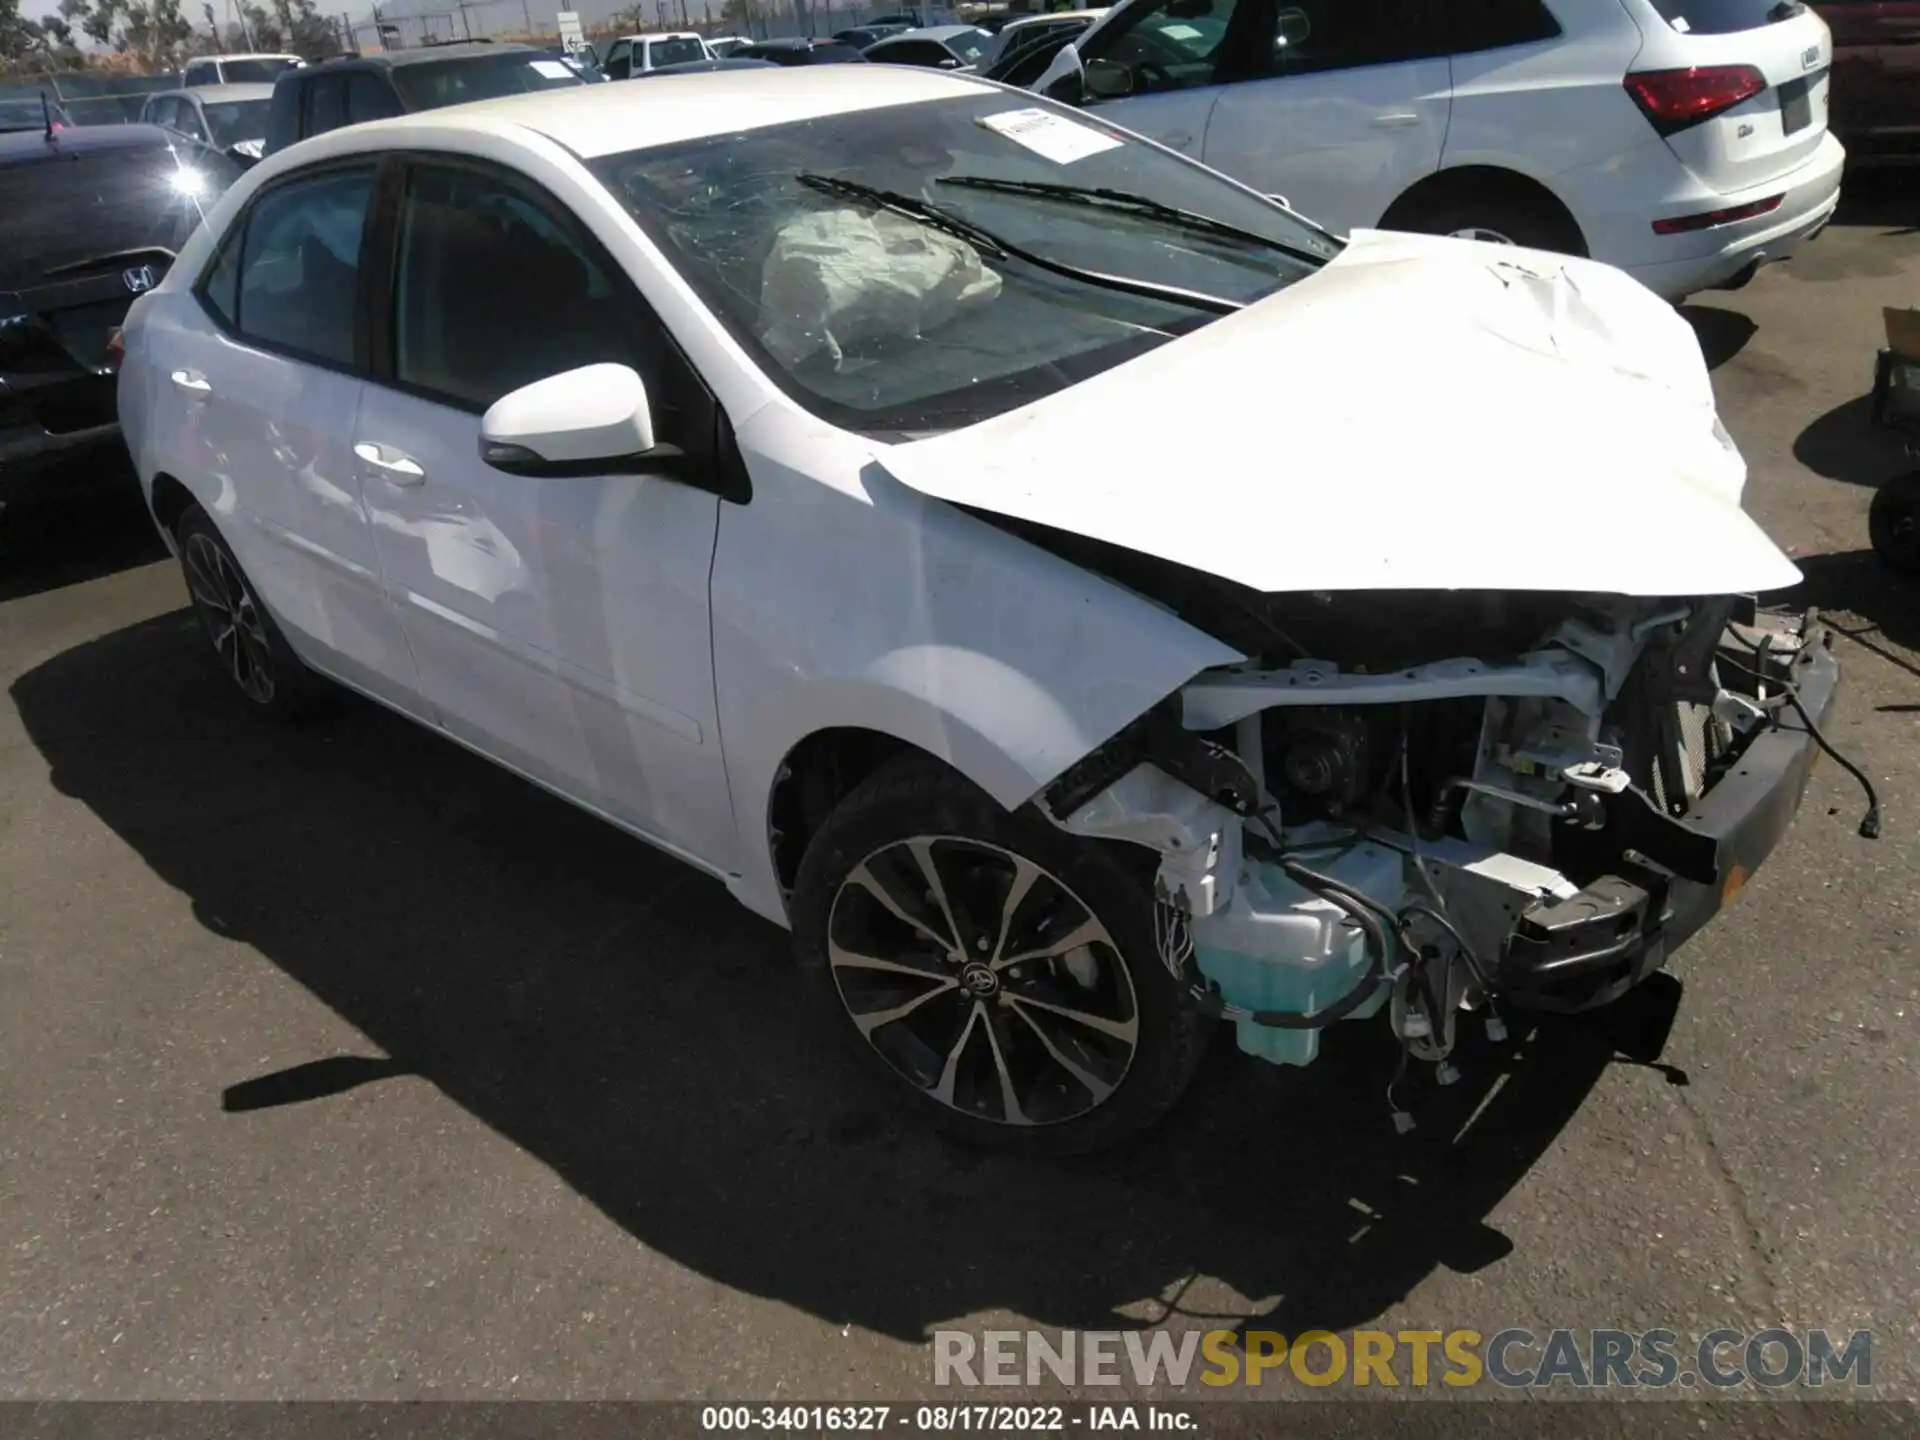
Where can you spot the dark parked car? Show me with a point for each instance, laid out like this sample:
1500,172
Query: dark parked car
801,52
861,36
701,67
317,98
232,118
939,47
1876,76
32,112
94,216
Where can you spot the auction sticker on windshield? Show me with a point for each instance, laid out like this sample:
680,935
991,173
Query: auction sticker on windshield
1053,137
552,69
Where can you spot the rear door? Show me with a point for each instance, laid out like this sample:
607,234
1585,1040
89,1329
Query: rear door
1892,84
1856,63
1352,109
1787,51
559,625
265,370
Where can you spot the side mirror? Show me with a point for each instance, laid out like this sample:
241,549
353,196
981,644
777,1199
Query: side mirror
1065,78
1108,79
590,421
949,64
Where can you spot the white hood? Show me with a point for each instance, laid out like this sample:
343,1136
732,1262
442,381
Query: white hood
1421,414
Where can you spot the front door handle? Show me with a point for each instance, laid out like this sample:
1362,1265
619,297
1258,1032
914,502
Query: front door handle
399,470
193,382
1178,142
1397,121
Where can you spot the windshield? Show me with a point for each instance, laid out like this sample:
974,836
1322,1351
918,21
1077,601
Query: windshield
969,45
65,208
431,84
677,51
27,114
237,120
253,72
879,323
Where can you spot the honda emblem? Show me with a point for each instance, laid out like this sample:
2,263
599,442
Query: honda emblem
138,280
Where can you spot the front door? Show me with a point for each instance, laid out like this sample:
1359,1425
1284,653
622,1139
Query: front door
559,625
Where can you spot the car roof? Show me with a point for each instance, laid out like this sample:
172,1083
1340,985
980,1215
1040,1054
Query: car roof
934,32
596,120
665,35
1023,22
23,147
221,94
424,55
245,55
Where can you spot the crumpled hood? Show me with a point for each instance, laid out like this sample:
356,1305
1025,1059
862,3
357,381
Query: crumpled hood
1422,413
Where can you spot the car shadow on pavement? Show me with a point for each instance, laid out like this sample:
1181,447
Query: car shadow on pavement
1723,334
101,532
1844,444
1880,196
616,1015
1880,606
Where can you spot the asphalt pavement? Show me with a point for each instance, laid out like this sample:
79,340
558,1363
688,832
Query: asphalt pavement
337,1063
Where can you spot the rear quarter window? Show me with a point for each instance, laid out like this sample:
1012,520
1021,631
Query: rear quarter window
1724,17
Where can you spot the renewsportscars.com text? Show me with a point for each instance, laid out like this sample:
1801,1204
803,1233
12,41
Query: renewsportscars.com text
1514,1359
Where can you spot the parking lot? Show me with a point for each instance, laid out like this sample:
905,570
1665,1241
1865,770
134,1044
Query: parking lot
335,1062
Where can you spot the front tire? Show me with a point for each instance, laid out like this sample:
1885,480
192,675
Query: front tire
246,645
1000,975
1893,522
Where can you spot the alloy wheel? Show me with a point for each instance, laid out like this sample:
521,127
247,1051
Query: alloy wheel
228,609
983,979
1482,233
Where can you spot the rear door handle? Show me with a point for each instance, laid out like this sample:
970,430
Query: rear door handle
192,381
1397,121
1178,142
398,470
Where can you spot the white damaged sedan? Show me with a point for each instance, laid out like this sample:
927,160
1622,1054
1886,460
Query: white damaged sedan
1080,598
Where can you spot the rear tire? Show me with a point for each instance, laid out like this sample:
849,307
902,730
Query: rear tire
1893,522
998,975
242,638
1499,218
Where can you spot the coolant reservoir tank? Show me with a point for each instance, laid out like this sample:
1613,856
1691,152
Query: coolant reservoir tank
1277,946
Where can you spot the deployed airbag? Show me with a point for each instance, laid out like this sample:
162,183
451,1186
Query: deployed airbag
837,279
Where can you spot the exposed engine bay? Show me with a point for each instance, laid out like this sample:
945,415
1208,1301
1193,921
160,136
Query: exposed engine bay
1520,799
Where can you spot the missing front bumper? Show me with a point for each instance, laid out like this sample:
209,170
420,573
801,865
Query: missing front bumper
1585,951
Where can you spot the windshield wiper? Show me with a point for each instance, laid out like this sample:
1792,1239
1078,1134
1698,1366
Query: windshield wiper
1133,204
1001,248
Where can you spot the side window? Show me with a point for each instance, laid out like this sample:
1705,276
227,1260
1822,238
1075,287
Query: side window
198,72
369,98
462,336
220,285
186,120
300,265
326,104
1174,45
1312,36
616,61
1491,24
